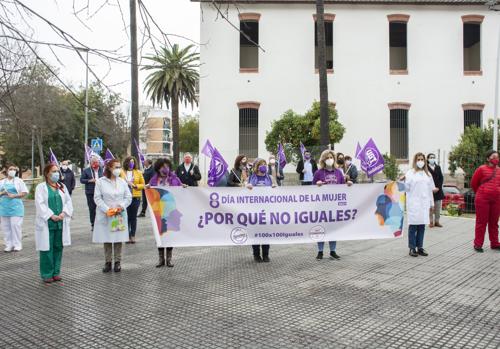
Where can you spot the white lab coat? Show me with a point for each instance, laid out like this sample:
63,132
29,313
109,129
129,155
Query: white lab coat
109,194
43,214
419,196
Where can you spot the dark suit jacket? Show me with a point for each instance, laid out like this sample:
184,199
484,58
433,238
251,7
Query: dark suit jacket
186,177
87,175
148,174
68,178
300,168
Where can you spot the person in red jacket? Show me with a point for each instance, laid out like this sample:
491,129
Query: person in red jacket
486,184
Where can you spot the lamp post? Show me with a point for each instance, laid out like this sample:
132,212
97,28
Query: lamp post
492,7
86,50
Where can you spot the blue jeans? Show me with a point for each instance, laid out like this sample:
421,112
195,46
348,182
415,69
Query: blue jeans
416,236
321,245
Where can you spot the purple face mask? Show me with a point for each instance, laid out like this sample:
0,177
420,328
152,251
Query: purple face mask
307,156
262,168
131,165
164,171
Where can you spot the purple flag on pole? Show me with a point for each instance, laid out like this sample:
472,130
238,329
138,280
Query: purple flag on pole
140,154
53,159
218,168
302,150
208,149
281,156
358,149
109,155
89,153
371,159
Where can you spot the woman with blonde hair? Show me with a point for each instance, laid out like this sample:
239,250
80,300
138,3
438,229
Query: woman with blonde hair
328,173
419,187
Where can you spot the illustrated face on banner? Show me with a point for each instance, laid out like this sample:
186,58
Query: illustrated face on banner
166,215
390,208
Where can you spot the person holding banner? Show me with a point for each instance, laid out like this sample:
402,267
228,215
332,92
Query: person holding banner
12,190
240,172
188,172
260,178
112,197
54,209
350,170
275,171
89,176
135,182
419,187
486,184
164,177
306,168
328,174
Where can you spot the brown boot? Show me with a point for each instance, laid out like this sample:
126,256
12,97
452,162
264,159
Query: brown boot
169,258
161,257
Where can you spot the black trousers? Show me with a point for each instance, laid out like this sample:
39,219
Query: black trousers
132,216
144,203
307,183
92,206
265,250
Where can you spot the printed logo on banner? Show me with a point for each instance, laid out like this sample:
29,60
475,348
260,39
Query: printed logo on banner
239,235
390,208
166,215
317,233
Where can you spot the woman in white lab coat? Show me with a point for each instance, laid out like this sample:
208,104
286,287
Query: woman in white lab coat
112,196
12,190
419,187
52,223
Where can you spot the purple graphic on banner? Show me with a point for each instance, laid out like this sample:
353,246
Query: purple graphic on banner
281,156
371,159
53,159
302,150
208,149
218,167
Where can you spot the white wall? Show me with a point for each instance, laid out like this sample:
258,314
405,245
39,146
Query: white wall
361,85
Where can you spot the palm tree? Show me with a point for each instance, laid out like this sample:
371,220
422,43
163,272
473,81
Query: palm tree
173,79
323,83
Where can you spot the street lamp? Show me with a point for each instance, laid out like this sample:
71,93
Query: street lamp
492,7
86,50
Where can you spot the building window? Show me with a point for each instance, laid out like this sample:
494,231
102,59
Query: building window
472,44
166,148
249,128
166,123
473,114
399,130
398,48
328,20
249,42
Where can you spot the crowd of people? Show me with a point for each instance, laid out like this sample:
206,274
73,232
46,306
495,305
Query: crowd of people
114,192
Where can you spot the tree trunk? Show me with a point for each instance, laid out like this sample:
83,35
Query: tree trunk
323,83
175,128
40,148
134,122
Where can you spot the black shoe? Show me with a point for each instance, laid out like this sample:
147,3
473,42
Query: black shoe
479,249
142,215
413,252
334,255
257,259
266,259
161,263
118,267
496,247
422,252
320,255
107,267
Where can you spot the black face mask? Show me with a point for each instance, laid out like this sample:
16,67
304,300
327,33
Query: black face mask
340,161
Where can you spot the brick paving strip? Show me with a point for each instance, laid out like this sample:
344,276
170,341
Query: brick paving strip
376,296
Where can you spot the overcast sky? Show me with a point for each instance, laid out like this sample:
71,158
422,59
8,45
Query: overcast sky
105,30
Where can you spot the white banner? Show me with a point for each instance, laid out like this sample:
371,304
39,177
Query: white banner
197,216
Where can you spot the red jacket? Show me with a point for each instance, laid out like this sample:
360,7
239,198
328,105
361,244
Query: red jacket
481,184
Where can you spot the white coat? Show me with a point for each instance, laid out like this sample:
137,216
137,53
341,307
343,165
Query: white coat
110,194
419,196
43,214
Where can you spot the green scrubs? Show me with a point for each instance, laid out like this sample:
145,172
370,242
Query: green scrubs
50,261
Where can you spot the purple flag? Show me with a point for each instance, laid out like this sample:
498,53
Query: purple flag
371,159
89,153
109,155
218,168
358,149
208,149
139,153
53,159
302,150
281,156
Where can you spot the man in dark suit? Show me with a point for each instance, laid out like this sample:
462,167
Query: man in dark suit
188,173
68,177
148,173
89,176
306,168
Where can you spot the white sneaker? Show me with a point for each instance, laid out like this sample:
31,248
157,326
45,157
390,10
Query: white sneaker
7,249
17,249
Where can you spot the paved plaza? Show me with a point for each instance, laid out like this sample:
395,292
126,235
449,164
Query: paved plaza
376,296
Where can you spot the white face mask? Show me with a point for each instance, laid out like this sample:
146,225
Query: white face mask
329,162
11,173
432,161
420,164
348,162
64,167
117,172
